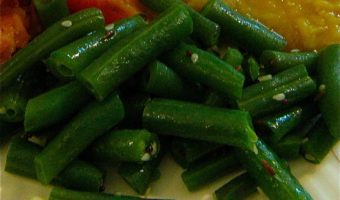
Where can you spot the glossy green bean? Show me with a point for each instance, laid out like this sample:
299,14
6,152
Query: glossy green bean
276,61
251,69
249,34
239,188
54,106
91,122
270,173
56,36
69,60
195,121
129,55
46,10
205,172
125,145
78,174
204,30
234,57
319,143
195,64
187,151
328,71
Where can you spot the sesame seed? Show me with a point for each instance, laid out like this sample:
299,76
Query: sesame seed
265,78
66,23
109,27
295,50
194,57
309,157
322,87
279,97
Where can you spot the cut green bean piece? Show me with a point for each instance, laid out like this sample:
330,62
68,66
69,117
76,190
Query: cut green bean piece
288,147
69,60
328,71
77,175
50,11
205,30
205,172
251,68
195,121
319,143
90,123
248,33
270,173
276,61
234,57
125,145
128,56
162,81
62,32
187,151
195,64
54,106
239,188
65,194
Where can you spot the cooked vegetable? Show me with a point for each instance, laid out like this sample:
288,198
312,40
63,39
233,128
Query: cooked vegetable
248,33
328,71
57,35
77,175
251,68
129,55
50,11
69,60
234,57
195,121
7,129
91,122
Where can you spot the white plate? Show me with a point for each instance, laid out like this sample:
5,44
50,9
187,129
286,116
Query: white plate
322,181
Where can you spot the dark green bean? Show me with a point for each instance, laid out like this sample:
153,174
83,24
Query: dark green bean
276,61
234,57
91,122
289,146
78,174
54,106
51,11
125,145
251,69
328,70
69,60
319,143
239,188
162,81
203,67
248,33
205,30
65,194
56,36
205,172
187,151
129,55
270,173
195,121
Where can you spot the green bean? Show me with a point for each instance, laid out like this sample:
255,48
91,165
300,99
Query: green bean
186,151
51,11
205,172
54,106
162,81
56,36
203,67
238,188
275,98
276,61
205,30
78,174
91,122
329,80
69,60
319,143
234,57
214,99
195,121
129,55
125,145
58,193
269,172
289,146
248,33
251,68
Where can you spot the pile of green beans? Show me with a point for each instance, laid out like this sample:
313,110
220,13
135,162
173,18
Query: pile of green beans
128,93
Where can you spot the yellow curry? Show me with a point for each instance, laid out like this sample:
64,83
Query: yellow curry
306,24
